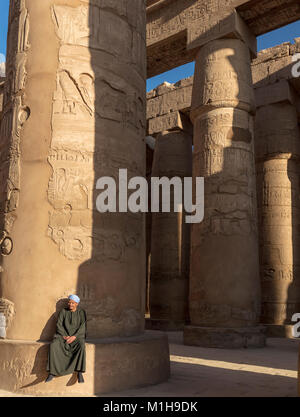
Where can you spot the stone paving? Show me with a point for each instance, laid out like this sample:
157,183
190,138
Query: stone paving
201,372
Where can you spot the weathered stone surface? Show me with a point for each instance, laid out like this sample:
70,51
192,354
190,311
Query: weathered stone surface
74,108
76,92
224,79
172,121
150,145
275,64
274,84
277,148
7,308
265,15
1,95
2,70
174,97
112,365
278,92
174,25
171,23
224,274
218,26
170,242
15,113
272,66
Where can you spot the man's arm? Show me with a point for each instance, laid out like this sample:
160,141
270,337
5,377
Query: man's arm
60,329
80,332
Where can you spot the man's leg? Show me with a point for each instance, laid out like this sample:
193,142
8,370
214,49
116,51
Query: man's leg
81,360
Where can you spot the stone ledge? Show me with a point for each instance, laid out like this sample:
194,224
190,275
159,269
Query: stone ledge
112,365
224,338
278,92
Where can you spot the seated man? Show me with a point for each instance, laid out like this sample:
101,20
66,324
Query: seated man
67,351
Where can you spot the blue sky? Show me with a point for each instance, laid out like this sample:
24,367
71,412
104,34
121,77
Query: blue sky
4,4
285,34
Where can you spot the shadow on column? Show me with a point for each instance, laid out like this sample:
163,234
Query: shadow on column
170,236
224,283
111,283
278,150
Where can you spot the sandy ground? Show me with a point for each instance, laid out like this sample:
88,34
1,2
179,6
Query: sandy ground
201,372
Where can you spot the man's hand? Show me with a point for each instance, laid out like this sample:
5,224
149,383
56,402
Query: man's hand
70,339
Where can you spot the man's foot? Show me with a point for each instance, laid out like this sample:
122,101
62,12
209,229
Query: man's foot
80,378
49,378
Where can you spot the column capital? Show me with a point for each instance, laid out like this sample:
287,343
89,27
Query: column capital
222,78
227,25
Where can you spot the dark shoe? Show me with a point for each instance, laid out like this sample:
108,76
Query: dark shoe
50,377
80,378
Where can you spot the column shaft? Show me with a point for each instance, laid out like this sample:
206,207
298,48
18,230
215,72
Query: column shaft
277,144
149,162
170,243
74,109
224,278
74,112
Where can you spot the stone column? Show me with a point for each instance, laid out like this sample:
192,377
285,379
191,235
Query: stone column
74,110
170,243
150,144
277,148
224,275
1,95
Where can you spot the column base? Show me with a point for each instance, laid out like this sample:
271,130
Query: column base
164,325
113,364
224,337
279,330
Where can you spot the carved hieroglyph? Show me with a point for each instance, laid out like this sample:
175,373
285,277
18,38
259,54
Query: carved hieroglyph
7,308
73,149
84,89
277,145
174,24
14,114
74,111
88,109
197,17
224,280
73,130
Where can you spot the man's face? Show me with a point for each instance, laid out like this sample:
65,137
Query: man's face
72,305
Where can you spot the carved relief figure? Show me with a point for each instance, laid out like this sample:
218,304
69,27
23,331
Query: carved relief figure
15,113
72,24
